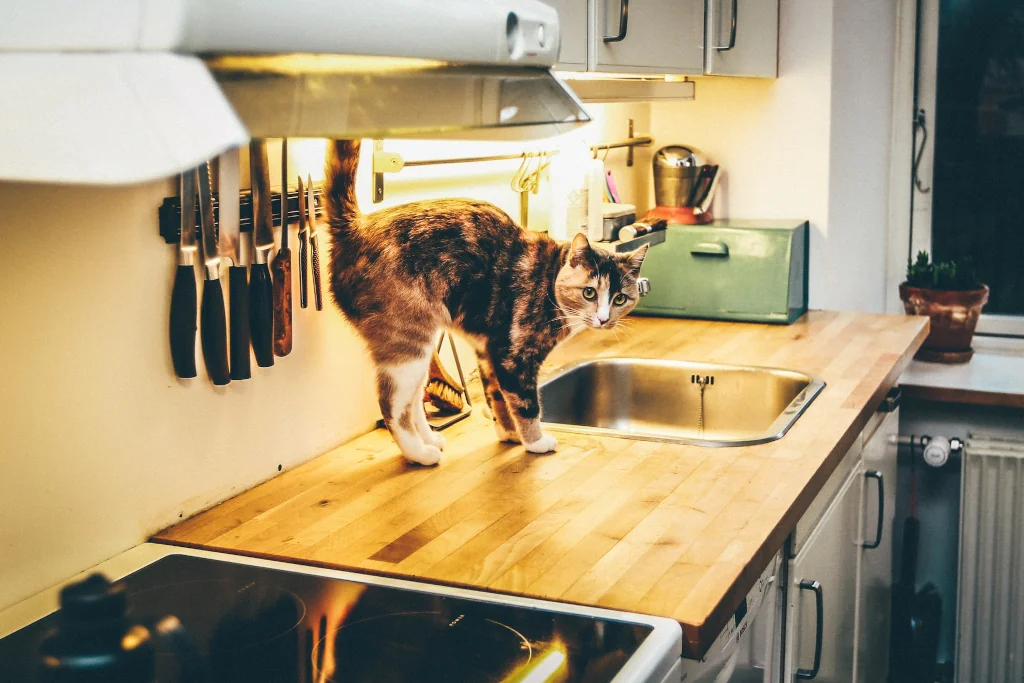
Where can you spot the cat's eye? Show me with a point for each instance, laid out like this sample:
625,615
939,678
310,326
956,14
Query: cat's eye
619,299
589,293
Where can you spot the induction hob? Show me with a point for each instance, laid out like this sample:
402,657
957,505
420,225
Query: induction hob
259,621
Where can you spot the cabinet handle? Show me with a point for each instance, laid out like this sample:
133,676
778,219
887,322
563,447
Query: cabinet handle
623,21
819,629
875,474
710,249
732,29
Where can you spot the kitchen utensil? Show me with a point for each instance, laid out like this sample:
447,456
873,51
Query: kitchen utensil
213,332
261,314
314,246
303,244
281,268
229,244
707,183
183,296
676,169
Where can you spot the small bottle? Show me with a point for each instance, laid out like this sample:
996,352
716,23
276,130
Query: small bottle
595,198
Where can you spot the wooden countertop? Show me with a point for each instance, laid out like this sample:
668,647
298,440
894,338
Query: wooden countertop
665,529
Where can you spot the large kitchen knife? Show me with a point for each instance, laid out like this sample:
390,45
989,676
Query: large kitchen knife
261,314
314,245
229,245
213,330
183,296
281,268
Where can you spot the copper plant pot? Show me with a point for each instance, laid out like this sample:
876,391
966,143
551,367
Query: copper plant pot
954,316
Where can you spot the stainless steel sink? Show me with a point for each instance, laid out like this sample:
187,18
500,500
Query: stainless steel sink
661,400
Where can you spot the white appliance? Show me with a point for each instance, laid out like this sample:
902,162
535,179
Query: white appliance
113,91
747,650
323,594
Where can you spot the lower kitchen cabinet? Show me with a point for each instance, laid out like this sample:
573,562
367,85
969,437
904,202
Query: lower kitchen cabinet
846,553
875,594
822,602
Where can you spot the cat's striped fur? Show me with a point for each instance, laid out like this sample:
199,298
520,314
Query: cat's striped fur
403,274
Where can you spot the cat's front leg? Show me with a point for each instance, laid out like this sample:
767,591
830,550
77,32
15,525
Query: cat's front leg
517,378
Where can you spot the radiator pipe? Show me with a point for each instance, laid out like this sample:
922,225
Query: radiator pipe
935,450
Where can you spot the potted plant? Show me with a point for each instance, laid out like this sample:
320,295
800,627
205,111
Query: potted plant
951,296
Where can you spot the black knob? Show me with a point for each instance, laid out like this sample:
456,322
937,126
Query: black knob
93,642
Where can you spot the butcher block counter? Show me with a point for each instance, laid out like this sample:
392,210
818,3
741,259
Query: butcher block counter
666,529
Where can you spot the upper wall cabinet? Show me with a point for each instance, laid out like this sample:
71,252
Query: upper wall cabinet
572,21
742,38
647,36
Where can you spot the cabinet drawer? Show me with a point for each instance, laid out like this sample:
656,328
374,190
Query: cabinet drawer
721,272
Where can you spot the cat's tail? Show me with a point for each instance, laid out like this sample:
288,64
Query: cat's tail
340,186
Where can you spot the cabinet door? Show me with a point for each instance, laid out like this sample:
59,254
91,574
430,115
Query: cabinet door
742,38
657,36
572,24
831,557
874,603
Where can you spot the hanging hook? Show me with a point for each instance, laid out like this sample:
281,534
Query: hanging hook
920,123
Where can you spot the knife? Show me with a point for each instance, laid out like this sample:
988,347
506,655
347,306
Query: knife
314,246
281,267
183,296
303,239
261,314
213,331
229,245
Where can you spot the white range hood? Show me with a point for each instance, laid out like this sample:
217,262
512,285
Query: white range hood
121,91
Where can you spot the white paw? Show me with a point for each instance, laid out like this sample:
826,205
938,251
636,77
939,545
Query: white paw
545,444
434,439
504,435
430,455
486,410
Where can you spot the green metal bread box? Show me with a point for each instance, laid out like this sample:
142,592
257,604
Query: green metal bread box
744,270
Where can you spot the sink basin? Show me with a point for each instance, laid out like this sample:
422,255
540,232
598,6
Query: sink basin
660,400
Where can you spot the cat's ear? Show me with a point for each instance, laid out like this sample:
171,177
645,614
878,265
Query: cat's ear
632,260
579,251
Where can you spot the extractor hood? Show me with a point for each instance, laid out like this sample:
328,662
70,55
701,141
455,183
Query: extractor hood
120,91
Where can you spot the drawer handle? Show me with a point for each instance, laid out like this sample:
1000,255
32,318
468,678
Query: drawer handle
810,585
710,249
876,475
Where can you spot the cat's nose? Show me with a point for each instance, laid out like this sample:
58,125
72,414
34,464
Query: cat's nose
602,318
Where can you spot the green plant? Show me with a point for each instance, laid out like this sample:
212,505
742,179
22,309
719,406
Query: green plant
949,275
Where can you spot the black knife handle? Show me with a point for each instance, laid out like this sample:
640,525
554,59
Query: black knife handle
314,247
239,293
214,333
261,314
303,272
183,322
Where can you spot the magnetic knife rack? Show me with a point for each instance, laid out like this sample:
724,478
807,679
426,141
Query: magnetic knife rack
170,212
392,162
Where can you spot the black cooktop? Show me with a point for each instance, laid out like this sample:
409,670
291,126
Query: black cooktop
259,625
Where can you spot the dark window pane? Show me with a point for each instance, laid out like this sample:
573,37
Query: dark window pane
978,203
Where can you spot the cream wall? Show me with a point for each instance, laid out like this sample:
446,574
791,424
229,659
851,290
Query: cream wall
103,445
811,144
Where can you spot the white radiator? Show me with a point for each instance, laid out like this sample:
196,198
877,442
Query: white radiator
990,600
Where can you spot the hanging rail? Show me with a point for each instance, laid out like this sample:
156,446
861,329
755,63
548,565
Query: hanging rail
392,162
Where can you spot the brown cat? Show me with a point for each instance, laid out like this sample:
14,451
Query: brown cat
403,274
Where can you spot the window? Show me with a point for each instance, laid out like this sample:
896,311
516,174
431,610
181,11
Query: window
978,176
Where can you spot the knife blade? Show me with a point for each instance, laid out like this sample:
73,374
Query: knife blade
281,268
303,240
314,246
213,330
230,246
261,315
183,296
